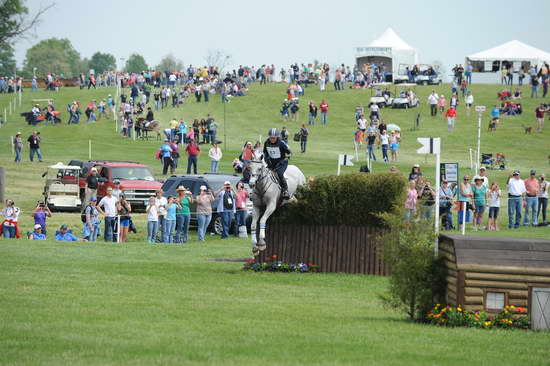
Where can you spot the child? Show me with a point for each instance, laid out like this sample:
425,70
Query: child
441,103
494,206
359,111
480,201
152,220
410,203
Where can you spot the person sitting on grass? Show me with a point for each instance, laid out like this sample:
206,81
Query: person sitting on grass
37,233
64,234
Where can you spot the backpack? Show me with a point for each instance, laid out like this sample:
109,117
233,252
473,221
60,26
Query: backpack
228,200
83,214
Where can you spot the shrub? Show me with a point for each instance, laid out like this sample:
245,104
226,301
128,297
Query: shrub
417,279
352,199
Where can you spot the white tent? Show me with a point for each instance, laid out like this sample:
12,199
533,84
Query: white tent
390,50
514,54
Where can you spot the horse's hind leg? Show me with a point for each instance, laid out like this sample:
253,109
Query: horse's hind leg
271,206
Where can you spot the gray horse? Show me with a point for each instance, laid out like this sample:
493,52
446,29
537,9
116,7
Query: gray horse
267,194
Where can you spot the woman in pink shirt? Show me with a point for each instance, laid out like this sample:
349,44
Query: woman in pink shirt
410,202
441,103
242,197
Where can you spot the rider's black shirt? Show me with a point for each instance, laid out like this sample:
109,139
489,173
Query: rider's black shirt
275,152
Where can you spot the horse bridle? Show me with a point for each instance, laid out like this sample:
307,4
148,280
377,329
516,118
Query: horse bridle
262,176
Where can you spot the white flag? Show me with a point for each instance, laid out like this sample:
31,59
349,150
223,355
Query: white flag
345,160
429,145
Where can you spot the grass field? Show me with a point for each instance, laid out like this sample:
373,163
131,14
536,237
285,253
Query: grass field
101,303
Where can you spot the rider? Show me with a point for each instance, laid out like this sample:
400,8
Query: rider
276,154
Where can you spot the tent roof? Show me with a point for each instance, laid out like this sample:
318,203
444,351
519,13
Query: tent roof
390,39
60,165
511,51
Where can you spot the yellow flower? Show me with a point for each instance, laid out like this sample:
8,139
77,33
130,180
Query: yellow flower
459,308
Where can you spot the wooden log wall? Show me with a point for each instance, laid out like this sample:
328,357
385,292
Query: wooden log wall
344,249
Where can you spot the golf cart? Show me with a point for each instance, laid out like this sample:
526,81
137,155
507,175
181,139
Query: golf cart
428,75
381,97
61,189
405,99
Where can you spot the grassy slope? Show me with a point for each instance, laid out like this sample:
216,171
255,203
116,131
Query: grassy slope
97,303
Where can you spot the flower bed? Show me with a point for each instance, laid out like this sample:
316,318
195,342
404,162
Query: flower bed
276,266
509,317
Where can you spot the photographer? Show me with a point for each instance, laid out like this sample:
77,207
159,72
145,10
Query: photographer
10,226
183,214
226,207
40,213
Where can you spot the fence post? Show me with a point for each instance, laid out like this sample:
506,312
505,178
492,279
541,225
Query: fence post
2,183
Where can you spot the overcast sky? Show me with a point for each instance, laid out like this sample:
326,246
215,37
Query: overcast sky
284,31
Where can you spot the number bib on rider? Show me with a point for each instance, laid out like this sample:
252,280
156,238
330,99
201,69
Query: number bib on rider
274,152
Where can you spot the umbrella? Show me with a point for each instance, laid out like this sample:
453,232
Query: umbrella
393,127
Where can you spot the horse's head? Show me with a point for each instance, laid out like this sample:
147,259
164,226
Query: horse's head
255,168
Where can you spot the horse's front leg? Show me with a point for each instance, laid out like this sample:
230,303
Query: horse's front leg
271,206
255,215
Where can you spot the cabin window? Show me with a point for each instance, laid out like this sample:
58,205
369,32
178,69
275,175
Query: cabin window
495,300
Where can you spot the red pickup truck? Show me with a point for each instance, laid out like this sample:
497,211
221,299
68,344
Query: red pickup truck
136,179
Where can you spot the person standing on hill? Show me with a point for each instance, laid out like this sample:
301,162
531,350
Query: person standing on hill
193,151
92,181
451,117
166,156
516,191
304,133
323,107
532,187
107,207
432,101
539,114
215,154
17,146
34,146
312,113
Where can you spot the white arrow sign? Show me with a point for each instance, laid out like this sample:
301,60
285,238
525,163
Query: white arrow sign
480,108
429,145
345,160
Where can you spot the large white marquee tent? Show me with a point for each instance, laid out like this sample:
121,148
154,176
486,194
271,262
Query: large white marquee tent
390,50
513,54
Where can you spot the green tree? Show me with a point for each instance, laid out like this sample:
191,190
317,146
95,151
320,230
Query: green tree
417,279
15,20
136,63
53,55
7,61
170,63
101,62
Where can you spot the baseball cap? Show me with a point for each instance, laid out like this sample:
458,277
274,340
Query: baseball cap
93,198
203,188
93,170
516,172
63,227
482,168
37,226
416,166
533,171
116,181
227,183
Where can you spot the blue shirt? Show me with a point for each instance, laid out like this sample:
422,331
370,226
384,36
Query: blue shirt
38,236
171,211
495,112
166,151
67,237
182,129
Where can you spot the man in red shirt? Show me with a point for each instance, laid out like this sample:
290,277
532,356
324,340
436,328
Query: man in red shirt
193,151
539,114
324,110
